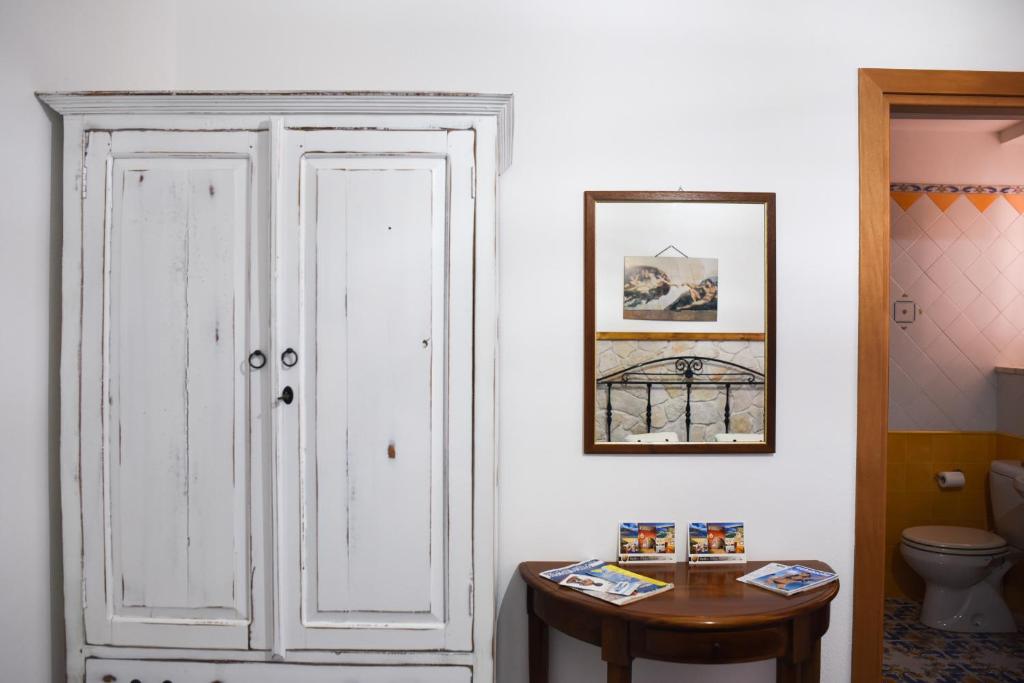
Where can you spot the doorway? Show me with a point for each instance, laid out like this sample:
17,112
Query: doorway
882,93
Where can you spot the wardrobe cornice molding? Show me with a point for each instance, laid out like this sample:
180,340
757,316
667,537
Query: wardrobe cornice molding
297,102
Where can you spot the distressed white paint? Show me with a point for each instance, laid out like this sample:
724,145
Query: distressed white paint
371,105
193,672
169,238
382,417
197,485
372,307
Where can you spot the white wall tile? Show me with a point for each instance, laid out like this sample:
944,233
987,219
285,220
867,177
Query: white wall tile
1001,252
924,251
962,212
905,271
961,332
1000,332
924,292
963,252
965,271
905,232
1000,214
944,231
982,272
1015,312
961,291
943,272
1001,292
923,331
1015,233
924,212
1013,353
981,312
982,233
942,311
925,414
1015,271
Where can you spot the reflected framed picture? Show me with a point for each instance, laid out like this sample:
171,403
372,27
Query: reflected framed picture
679,317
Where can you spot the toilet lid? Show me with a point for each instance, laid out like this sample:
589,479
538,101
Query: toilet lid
954,538
1008,468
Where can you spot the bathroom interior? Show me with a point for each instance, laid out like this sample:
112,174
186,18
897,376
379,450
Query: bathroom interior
956,401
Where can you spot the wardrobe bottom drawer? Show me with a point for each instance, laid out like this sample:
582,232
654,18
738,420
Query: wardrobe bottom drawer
154,671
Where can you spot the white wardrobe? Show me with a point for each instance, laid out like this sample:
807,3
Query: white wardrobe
278,386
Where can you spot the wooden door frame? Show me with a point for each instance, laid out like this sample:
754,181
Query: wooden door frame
883,91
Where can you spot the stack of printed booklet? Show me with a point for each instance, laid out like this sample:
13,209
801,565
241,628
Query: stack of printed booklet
788,579
709,543
606,581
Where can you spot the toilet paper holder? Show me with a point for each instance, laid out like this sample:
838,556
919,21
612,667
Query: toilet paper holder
950,479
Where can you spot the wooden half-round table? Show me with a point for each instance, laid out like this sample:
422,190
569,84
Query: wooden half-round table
708,618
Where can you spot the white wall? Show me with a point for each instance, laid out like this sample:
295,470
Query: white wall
757,96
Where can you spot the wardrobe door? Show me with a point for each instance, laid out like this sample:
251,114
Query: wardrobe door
173,426
380,529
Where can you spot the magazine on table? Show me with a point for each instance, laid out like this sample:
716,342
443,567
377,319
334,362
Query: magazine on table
605,581
717,542
788,579
647,542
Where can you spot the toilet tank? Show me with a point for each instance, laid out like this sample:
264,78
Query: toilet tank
1007,500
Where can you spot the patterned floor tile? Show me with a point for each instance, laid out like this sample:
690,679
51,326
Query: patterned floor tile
915,653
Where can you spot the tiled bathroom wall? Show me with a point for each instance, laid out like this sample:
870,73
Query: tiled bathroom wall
957,284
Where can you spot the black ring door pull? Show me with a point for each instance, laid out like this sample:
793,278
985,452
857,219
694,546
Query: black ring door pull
287,396
289,358
257,360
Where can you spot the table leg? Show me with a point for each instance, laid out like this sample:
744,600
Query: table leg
615,650
812,667
806,671
620,673
538,643
786,671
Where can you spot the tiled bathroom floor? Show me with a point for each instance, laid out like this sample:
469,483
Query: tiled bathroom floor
915,653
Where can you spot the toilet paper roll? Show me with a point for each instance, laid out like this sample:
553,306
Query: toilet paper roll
951,480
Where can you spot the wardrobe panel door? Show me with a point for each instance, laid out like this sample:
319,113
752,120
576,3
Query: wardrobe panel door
384,456
172,317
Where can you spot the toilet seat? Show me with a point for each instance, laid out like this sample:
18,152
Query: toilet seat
954,540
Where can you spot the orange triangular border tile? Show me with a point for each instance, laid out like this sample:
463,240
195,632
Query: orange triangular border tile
982,201
906,199
943,200
1016,201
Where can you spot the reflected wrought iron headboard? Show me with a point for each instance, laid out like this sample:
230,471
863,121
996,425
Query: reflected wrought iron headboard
679,371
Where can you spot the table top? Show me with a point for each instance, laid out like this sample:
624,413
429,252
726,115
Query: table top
704,597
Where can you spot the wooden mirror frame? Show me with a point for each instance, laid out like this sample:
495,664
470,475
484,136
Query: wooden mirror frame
590,443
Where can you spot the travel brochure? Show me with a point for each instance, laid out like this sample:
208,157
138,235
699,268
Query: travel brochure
788,579
718,542
605,581
647,542
708,543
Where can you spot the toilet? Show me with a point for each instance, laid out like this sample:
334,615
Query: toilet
963,568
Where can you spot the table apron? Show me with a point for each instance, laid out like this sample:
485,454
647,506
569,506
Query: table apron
792,639
708,647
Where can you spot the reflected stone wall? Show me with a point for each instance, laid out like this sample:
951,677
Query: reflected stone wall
707,404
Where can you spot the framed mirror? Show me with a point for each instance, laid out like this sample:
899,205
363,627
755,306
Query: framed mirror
679,322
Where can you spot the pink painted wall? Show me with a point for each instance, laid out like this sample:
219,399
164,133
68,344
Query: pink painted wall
952,151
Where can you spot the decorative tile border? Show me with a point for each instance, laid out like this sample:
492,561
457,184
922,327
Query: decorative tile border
944,194
956,189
